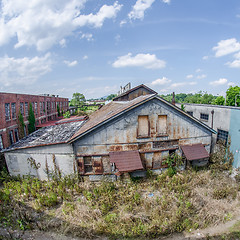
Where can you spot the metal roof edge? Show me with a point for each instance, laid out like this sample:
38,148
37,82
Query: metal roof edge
33,146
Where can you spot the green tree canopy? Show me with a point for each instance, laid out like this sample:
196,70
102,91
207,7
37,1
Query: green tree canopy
111,96
233,93
220,100
21,125
77,100
31,119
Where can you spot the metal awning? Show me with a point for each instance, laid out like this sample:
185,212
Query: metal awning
126,161
195,151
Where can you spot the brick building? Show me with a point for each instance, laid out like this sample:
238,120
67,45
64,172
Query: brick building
44,107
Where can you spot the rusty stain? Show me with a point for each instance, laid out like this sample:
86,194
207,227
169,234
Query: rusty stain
116,148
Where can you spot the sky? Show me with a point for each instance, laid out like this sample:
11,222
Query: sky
96,46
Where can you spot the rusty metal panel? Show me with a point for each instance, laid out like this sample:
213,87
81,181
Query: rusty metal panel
143,126
126,161
157,157
162,125
98,166
80,165
165,144
195,151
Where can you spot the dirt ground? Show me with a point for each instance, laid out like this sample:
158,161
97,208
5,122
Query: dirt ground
198,234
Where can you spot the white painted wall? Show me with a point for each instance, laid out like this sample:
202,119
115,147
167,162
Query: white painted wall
17,161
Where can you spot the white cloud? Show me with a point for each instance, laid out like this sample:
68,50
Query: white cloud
189,76
181,84
198,70
161,81
149,61
87,36
139,8
234,64
205,57
62,43
166,1
85,57
231,84
225,47
71,64
23,70
43,23
221,81
201,76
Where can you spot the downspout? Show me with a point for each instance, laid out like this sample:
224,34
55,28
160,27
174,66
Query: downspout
211,148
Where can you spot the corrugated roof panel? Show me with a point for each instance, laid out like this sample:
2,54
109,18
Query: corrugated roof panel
126,161
195,151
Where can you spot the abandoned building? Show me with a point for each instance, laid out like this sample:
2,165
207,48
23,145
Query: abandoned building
134,133
44,107
224,120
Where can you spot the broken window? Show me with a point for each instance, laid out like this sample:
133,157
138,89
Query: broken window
88,167
16,134
162,125
36,109
204,116
222,136
143,126
1,142
22,108
190,113
11,137
26,109
7,111
13,106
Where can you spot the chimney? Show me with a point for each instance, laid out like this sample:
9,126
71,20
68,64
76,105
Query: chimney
173,98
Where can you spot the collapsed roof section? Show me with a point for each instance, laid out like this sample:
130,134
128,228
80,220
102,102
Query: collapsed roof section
50,135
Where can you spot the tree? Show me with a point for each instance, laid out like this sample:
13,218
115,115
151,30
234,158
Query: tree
31,119
220,100
58,110
233,94
77,100
21,125
111,96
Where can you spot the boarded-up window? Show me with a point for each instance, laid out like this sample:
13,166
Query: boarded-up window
97,165
162,125
88,168
143,126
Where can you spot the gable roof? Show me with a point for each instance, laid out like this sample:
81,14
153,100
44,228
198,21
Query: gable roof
108,112
134,89
117,108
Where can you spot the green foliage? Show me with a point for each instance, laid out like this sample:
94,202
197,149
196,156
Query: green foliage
31,119
21,125
182,107
233,93
111,96
58,110
67,115
220,100
77,100
200,97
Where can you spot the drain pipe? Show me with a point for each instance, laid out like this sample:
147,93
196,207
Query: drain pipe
211,148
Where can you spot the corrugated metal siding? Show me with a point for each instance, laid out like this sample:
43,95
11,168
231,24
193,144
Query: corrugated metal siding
195,152
126,161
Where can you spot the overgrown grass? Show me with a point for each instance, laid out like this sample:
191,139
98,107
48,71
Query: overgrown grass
147,208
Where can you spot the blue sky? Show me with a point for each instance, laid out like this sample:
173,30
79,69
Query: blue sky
96,46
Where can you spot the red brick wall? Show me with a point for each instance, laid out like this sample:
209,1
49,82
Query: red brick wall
50,114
